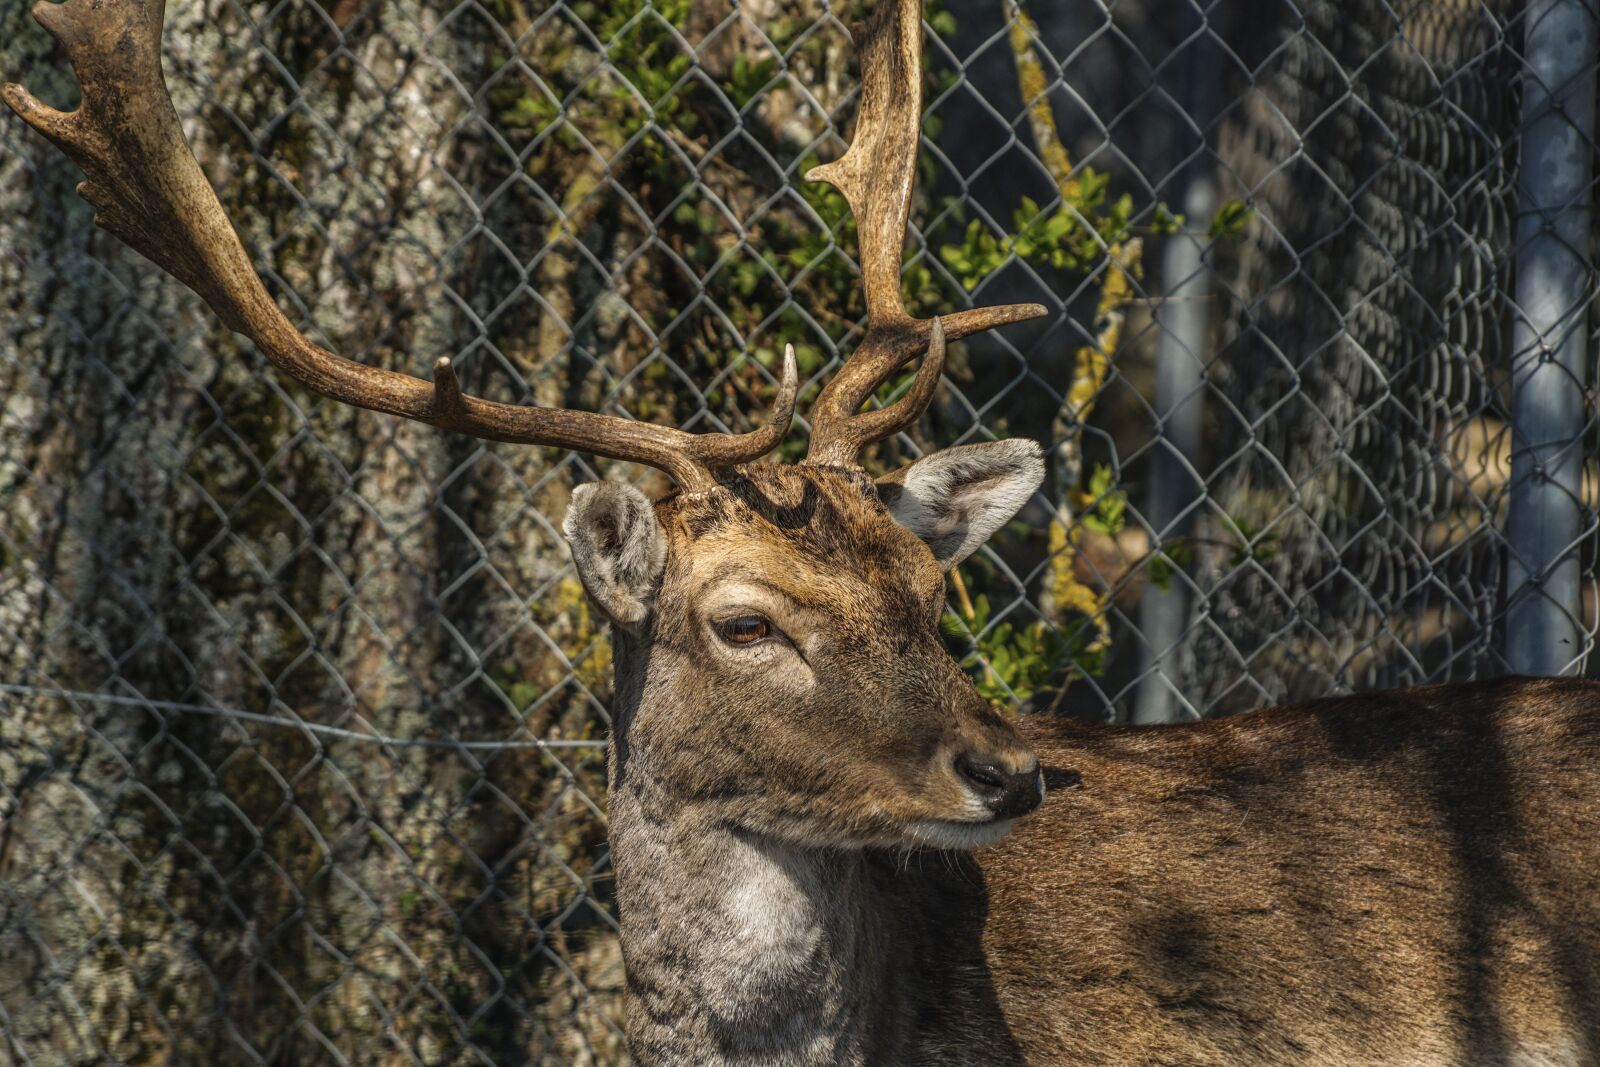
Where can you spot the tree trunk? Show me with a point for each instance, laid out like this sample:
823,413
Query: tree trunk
180,526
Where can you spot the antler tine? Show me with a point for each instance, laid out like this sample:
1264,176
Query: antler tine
148,190
847,436
876,176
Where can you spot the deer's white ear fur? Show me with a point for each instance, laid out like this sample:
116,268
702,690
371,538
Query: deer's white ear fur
618,547
956,498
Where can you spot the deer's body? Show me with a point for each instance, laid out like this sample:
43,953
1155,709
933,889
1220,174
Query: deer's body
800,773
1401,878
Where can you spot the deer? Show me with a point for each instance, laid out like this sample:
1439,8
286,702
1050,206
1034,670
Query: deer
830,849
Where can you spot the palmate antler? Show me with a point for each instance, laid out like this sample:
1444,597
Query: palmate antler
876,176
148,189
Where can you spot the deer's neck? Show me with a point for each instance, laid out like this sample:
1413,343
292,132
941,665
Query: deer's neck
742,950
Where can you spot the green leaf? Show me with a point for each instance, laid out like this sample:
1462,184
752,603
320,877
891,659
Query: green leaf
1107,505
1230,220
1163,563
1100,481
747,79
1165,221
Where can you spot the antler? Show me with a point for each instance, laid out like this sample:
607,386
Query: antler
147,188
875,176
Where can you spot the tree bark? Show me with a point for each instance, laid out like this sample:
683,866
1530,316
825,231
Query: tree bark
179,525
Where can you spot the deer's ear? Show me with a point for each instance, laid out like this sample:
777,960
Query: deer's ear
956,498
619,548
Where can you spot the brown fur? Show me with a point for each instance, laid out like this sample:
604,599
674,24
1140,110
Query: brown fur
1401,878
869,594
1407,877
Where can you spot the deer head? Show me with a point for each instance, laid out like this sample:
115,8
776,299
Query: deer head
777,627
779,654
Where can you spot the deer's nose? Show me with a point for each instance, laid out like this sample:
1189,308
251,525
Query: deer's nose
1005,791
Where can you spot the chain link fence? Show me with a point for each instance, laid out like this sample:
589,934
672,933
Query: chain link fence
302,752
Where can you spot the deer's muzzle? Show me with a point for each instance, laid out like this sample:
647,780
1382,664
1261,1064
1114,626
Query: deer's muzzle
1008,788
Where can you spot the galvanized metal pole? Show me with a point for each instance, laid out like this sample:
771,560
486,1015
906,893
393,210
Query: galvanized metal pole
1550,359
1184,318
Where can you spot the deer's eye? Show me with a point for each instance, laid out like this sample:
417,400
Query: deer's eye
744,630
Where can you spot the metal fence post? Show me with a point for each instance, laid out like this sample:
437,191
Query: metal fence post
1550,372
1184,318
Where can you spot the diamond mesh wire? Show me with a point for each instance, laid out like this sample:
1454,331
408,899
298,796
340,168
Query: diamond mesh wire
301,758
